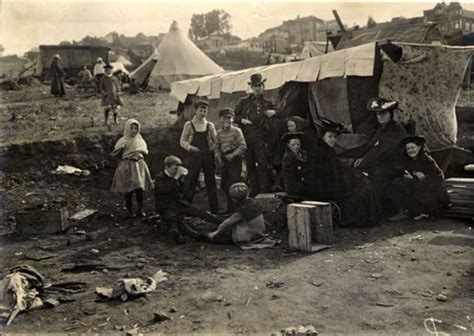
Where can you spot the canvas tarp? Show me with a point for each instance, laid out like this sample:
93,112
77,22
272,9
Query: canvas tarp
426,88
427,82
358,61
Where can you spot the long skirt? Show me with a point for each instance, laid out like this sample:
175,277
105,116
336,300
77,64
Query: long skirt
57,87
362,208
131,175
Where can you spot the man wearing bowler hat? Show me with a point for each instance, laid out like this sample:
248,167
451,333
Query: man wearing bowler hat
253,114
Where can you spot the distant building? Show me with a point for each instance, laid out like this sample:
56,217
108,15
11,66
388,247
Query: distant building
297,31
217,41
451,17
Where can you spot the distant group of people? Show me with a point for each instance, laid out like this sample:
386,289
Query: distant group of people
393,174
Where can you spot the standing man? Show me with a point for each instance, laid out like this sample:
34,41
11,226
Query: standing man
57,74
198,139
99,72
230,150
253,114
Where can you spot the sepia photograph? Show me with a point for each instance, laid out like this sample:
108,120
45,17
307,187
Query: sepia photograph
245,167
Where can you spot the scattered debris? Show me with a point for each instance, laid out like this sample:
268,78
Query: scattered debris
275,284
173,310
82,268
302,330
78,216
384,304
70,170
248,301
160,317
376,275
134,287
39,255
95,251
317,283
442,298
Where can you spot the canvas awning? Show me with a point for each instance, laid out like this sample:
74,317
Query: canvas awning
358,61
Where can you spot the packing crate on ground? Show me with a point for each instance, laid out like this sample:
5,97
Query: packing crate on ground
41,221
461,197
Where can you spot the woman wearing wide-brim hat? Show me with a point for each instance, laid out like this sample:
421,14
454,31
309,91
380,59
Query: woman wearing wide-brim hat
418,191
332,180
381,155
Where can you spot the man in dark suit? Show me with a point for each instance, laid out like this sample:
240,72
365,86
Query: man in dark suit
169,201
254,115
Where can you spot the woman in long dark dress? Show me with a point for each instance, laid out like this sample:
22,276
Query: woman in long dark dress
419,190
381,156
294,165
332,180
57,74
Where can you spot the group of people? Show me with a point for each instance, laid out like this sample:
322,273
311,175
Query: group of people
107,85
393,174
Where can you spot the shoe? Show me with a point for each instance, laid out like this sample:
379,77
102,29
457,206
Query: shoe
141,213
398,217
421,216
177,237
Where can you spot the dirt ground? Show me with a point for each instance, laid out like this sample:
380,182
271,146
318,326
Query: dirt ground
382,280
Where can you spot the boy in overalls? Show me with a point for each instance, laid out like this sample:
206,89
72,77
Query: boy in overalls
198,139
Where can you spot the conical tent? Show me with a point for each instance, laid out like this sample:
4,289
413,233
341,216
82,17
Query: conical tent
178,58
142,73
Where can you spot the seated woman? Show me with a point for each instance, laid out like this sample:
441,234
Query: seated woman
379,158
295,166
419,190
245,226
331,180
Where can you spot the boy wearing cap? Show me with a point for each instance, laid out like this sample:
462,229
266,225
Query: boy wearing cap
169,202
253,114
111,101
198,139
99,72
229,150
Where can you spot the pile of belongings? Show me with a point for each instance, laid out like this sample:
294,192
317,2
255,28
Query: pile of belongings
302,330
24,288
125,289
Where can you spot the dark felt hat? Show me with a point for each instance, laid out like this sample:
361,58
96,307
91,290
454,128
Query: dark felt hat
108,66
417,139
292,135
331,126
226,112
381,104
201,102
256,80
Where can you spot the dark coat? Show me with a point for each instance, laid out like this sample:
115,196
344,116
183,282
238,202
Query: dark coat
382,154
295,173
253,108
110,88
419,196
332,180
168,192
57,83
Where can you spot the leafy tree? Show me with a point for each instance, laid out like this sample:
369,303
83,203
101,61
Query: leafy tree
203,25
371,22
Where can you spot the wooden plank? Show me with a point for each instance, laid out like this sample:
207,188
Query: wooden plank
322,222
41,221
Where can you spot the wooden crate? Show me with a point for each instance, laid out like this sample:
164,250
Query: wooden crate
301,221
269,202
461,197
322,223
41,221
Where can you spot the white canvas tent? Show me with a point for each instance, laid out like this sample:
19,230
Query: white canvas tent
176,58
124,61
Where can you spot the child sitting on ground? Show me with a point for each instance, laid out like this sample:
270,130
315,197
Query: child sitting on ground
245,226
132,174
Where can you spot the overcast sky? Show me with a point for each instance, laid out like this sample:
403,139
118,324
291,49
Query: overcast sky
26,24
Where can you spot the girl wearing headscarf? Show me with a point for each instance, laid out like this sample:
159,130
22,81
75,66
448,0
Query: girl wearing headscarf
332,180
132,174
418,190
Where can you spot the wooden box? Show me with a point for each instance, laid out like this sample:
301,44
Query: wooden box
41,221
301,221
322,223
461,197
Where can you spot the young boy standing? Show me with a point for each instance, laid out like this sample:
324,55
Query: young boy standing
110,88
229,150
